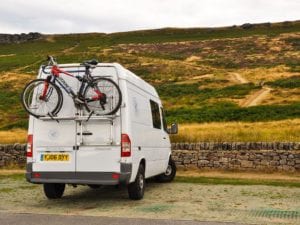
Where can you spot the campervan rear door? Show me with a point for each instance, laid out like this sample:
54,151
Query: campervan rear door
98,140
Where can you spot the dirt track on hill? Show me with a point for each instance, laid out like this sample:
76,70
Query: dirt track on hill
239,79
256,98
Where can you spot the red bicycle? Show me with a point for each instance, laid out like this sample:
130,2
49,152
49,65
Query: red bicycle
43,97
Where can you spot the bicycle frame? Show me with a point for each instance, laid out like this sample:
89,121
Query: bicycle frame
85,80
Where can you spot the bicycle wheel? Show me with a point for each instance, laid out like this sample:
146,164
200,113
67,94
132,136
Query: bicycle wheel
112,93
39,106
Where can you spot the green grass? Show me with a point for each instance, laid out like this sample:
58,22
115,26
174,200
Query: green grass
292,82
295,42
196,180
21,123
156,208
32,51
174,34
180,90
226,111
10,99
161,62
8,96
6,190
235,181
15,176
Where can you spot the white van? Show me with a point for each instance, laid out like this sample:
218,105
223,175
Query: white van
124,148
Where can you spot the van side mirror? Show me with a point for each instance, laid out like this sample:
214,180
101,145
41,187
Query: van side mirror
173,129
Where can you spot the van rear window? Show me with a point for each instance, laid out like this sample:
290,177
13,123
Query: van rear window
155,115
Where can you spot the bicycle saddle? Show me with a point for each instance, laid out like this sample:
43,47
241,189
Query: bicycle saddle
92,62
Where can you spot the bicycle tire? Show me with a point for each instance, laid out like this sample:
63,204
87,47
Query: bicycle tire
116,105
57,106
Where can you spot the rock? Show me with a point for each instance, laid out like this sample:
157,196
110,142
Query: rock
246,164
247,26
18,38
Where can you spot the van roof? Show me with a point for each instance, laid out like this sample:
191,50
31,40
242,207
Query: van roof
126,75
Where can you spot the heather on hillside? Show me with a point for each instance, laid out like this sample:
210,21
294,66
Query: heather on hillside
202,74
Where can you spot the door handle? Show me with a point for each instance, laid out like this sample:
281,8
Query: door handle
85,133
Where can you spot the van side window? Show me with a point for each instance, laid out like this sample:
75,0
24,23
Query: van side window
164,119
155,115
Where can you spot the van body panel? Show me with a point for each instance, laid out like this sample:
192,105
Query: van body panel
94,147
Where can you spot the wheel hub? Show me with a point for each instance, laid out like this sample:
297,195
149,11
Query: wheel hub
168,171
141,181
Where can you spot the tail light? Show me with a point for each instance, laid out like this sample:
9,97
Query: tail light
29,145
125,146
115,176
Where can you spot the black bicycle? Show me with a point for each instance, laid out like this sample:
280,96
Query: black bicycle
98,95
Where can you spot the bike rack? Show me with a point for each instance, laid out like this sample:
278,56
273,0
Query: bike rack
79,118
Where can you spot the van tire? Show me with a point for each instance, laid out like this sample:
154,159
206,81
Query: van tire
54,191
170,174
136,189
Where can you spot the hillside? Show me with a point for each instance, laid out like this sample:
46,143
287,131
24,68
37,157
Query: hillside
239,73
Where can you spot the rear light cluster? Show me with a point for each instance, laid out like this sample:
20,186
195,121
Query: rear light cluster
125,146
29,145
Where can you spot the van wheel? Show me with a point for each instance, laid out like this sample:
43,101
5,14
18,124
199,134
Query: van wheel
137,188
53,191
170,173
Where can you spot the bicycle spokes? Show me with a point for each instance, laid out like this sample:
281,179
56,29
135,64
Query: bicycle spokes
41,98
108,101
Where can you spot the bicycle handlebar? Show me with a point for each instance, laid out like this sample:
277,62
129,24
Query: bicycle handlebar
43,69
51,60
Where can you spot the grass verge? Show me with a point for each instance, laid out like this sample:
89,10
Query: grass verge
284,130
13,136
220,177
14,175
235,181
217,178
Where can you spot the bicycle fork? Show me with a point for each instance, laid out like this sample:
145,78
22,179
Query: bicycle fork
45,90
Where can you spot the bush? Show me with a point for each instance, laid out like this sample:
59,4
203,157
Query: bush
225,111
292,82
180,90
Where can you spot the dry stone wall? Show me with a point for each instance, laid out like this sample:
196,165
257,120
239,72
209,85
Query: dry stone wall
14,154
252,156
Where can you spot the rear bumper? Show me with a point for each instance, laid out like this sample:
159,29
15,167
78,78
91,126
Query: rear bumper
101,178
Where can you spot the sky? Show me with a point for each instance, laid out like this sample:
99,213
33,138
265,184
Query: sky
80,16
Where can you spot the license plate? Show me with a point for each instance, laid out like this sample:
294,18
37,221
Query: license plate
55,157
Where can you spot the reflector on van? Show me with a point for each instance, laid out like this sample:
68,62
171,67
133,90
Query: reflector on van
29,145
125,146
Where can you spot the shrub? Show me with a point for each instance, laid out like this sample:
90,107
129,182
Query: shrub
225,111
291,82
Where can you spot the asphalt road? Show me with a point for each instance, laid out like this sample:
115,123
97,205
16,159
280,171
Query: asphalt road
43,219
